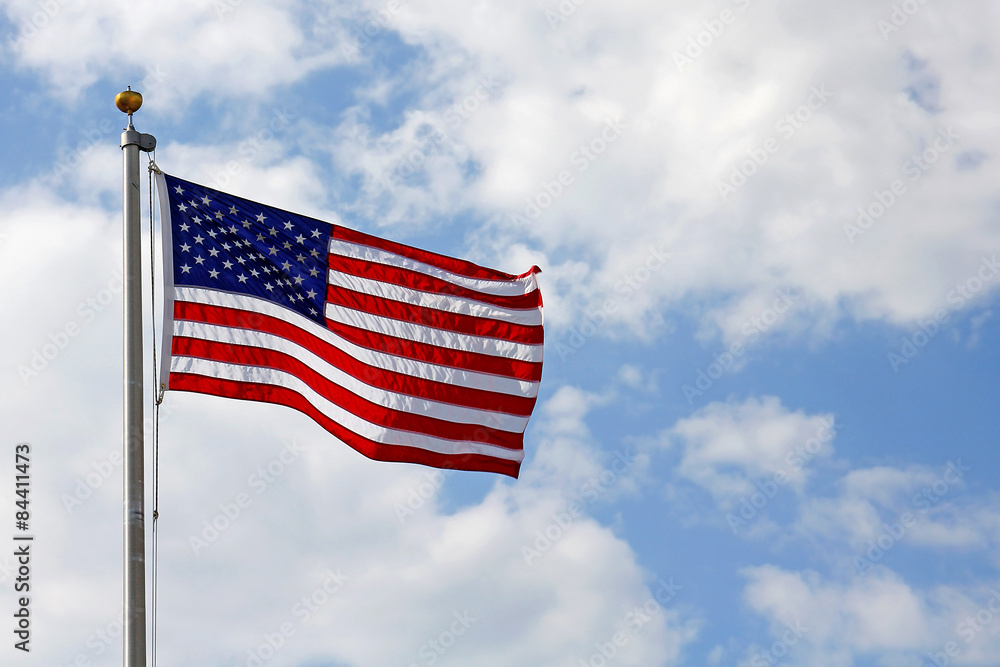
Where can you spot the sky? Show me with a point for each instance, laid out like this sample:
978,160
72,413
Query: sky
770,244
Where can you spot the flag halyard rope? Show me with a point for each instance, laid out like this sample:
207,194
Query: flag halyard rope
158,395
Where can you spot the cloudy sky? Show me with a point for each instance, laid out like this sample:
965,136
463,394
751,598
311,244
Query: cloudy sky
769,237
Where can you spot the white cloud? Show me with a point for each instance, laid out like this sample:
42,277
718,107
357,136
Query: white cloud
880,615
183,50
728,447
551,88
686,130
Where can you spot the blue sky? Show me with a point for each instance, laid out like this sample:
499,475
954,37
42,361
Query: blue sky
769,237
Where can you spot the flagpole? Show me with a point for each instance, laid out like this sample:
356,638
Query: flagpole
129,102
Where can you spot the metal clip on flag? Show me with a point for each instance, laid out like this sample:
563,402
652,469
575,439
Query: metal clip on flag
402,354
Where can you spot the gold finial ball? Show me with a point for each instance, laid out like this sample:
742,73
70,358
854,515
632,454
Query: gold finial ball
128,101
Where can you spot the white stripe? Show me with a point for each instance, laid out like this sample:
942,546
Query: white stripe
463,378
440,337
380,397
444,302
350,421
514,287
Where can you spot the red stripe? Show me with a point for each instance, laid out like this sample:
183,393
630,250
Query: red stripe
399,383
459,266
530,371
432,317
421,281
373,450
481,363
351,402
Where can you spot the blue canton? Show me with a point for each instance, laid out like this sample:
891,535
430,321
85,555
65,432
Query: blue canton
227,243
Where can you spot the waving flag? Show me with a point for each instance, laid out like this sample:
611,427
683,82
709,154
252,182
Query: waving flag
402,354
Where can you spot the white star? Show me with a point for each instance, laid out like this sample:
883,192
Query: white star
200,260
254,272
181,207
269,287
288,226
186,248
313,311
311,294
232,210
298,280
261,218
300,258
261,238
185,226
274,232
218,215
316,233
234,229
274,251
199,239
242,278
193,203
196,219
246,224
213,273
186,269
213,252
313,272
314,253
286,245
179,190
241,260
286,266
300,239
205,200
225,246
227,265
212,233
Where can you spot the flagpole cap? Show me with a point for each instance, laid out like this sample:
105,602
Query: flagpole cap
128,101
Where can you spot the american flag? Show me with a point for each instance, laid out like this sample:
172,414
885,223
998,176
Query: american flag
404,355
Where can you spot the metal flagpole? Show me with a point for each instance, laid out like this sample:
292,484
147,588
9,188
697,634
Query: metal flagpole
129,102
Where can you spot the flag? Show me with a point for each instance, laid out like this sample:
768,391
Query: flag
402,354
